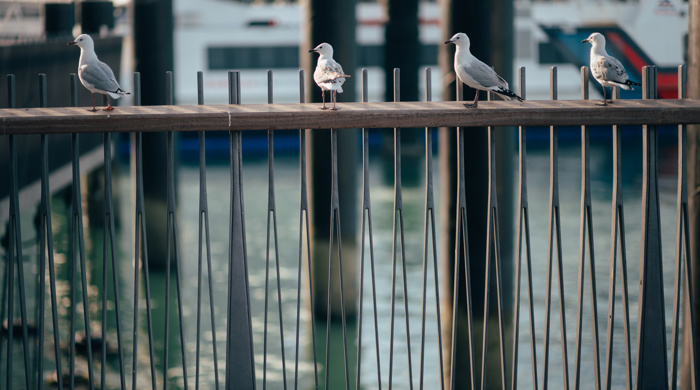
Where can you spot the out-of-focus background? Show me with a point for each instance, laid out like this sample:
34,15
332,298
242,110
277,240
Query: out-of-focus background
216,36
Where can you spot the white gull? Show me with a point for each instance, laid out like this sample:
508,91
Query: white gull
95,75
606,69
476,74
329,75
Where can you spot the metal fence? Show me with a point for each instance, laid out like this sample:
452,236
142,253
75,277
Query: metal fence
650,368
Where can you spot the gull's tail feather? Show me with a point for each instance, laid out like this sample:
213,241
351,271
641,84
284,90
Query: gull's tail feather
507,93
332,76
628,85
118,93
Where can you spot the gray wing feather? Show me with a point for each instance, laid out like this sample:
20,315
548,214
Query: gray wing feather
332,73
485,75
609,69
100,76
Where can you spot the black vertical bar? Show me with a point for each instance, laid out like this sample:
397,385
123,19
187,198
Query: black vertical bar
74,96
172,244
270,205
652,364
367,222
240,365
398,227
304,230
12,103
74,100
523,227
461,243
15,255
109,235
335,230
617,235
202,216
79,248
493,246
272,211
204,230
682,251
586,230
141,250
42,271
554,228
429,224
46,250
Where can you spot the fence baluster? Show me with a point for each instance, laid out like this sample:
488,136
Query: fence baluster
6,275
240,365
586,228
492,242
462,244
617,235
108,234
42,271
15,254
652,364
682,251
523,223
272,211
335,229
304,230
398,224
74,98
429,223
46,248
554,228
172,244
367,221
78,249
204,229
141,250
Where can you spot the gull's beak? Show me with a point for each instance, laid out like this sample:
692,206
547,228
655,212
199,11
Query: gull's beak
71,43
585,40
312,50
446,42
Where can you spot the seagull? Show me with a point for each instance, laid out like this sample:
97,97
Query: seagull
477,74
95,75
329,75
606,69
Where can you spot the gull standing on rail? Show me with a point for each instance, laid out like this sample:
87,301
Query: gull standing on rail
95,75
477,74
606,69
329,75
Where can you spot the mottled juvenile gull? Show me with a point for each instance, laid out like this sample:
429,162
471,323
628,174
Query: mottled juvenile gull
329,75
476,74
95,75
606,69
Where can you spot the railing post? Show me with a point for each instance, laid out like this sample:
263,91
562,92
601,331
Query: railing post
652,365
586,239
683,261
554,229
240,364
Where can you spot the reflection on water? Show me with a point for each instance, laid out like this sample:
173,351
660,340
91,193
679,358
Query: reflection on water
287,187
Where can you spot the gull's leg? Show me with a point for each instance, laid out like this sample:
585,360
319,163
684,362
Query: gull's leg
333,97
475,103
93,103
323,98
612,93
605,102
109,106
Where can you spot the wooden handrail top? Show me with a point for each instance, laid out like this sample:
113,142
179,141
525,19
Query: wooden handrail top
350,115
